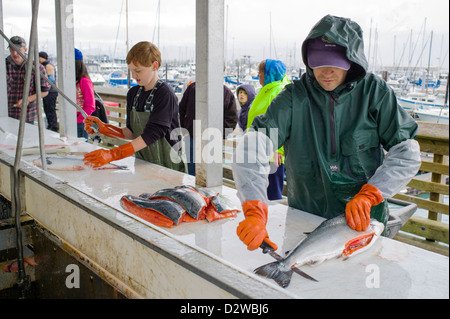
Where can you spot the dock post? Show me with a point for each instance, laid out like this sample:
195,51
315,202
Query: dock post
66,65
209,92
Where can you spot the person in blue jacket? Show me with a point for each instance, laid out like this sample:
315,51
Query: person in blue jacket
246,94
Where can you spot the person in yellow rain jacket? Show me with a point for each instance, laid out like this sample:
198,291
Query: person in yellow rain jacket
273,79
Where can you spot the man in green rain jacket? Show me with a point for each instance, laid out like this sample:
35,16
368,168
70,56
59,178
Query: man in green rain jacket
334,123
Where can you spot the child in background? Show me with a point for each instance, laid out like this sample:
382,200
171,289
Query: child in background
85,93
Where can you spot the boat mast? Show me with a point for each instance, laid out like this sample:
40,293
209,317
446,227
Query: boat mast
429,61
128,70
157,23
270,35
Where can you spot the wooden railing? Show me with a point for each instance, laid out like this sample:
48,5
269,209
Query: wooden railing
429,233
116,114
432,233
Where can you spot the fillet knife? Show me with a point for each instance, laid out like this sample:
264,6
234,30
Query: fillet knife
267,249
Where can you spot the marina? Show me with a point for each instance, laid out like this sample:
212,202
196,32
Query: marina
67,230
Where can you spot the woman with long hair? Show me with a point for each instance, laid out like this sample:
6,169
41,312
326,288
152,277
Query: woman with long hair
85,93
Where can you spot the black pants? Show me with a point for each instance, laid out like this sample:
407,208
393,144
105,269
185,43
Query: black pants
50,111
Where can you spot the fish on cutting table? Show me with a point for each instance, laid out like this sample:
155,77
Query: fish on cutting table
193,202
172,206
333,238
72,164
218,207
159,212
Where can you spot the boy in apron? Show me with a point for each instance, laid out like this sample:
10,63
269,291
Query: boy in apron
152,115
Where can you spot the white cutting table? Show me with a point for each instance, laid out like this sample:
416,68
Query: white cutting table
390,269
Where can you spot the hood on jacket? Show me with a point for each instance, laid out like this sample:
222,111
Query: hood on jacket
243,112
251,93
343,32
274,71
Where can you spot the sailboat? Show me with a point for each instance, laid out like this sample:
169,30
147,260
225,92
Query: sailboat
432,115
421,100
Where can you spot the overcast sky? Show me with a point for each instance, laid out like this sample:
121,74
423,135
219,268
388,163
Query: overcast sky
247,30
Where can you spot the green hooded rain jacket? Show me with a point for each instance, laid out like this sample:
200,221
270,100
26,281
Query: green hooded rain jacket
334,140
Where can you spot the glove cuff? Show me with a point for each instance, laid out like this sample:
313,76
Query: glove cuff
372,193
123,151
255,208
112,131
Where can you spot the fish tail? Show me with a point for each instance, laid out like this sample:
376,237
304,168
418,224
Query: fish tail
274,271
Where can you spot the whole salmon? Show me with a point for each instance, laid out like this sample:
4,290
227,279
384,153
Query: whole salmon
331,239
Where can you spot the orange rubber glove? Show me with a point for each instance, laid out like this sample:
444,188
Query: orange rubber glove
103,128
102,157
252,230
357,211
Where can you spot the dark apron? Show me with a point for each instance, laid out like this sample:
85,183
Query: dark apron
159,152
381,213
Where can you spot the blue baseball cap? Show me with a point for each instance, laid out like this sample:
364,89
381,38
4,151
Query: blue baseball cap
324,53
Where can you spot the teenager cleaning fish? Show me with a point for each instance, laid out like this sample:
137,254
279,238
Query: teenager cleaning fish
152,114
335,124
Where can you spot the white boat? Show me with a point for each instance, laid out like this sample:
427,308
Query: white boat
434,115
396,85
95,73
417,100
119,79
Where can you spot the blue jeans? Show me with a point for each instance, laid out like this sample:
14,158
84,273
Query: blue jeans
81,132
276,184
190,155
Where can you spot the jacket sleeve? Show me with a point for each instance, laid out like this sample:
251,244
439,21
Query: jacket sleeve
87,90
45,87
183,107
251,166
230,116
401,164
396,130
251,161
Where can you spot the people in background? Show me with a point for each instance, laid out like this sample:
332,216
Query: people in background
246,94
16,68
187,117
85,93
50,99
273,79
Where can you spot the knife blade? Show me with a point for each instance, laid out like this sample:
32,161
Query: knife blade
267,249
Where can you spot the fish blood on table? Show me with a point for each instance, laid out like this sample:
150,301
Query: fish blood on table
331,239
172,206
